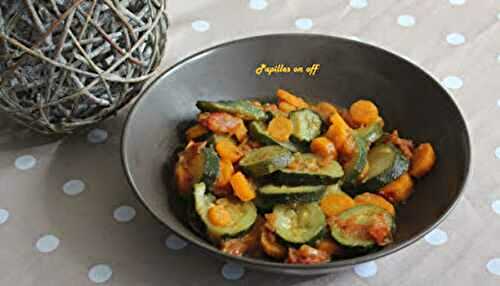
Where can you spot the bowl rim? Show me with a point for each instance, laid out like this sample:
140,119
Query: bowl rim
334,264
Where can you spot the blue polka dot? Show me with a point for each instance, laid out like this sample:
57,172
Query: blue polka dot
452,82
497,152
25,162
304,23
406,20
257,4
457,2
493,266
498,102
100,273
359,4
232,271
4,216
495,206
47,243
366,270
200,26
436,237
455,39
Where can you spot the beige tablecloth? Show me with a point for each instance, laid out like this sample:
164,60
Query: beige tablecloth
68,216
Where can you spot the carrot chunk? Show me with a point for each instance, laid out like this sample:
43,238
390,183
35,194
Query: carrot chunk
324,109
296,101
398,190
376,200
333,204
240,132
242,188
324,147
219,216
286,107
280,128
226,170
341,135
364,112
227,150
195,132
423,160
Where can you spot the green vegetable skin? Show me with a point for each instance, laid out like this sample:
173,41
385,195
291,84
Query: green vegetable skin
306,125
243,214
210,166
265,160
355,166
298,223
370,133
271,194
387,164
325,175
258,132
242,108
364,217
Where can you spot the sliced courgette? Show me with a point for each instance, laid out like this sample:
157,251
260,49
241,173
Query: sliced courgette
306,125
305,169
355,166
204,166
241,108
363,227
259,133
265,160
243,214
298,223
387,163
370,133
271,194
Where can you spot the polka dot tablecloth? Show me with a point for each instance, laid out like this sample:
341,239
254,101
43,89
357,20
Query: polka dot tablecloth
68,216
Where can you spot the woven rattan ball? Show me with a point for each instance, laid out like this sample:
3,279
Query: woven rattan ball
65,64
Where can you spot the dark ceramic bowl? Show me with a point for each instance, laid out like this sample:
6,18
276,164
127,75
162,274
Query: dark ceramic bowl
408,98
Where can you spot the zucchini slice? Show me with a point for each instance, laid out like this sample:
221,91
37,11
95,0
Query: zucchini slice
363,227
265,160
305,169
355,166
259,133
298,223
243,214
271,194
370,133
387,164
241,108
205,166
306,125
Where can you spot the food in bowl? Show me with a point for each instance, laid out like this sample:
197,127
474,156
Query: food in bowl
296,181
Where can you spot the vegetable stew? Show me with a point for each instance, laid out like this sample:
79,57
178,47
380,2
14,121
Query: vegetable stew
296,181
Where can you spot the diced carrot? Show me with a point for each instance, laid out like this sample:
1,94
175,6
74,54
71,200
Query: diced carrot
373,199
280,128
226,170
333,204
324,109
227,150
364,112
296,101
341,135
323,147
241,132
286,107
399,190
195,132
242,188
423,160
219,216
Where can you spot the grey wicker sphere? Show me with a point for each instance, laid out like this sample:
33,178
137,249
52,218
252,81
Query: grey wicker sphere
65,64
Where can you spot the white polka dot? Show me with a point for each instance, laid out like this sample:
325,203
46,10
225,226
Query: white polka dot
257,4
455,39
436,237
359,4
406,20
73,187
4,216
124,213
100,273
497,152
304,23
452,82
97,136
47,243
25,162
175,243
200,26
493,266
495,206
365,270
457,2
232,271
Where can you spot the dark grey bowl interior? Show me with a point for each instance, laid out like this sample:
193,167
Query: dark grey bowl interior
409,99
